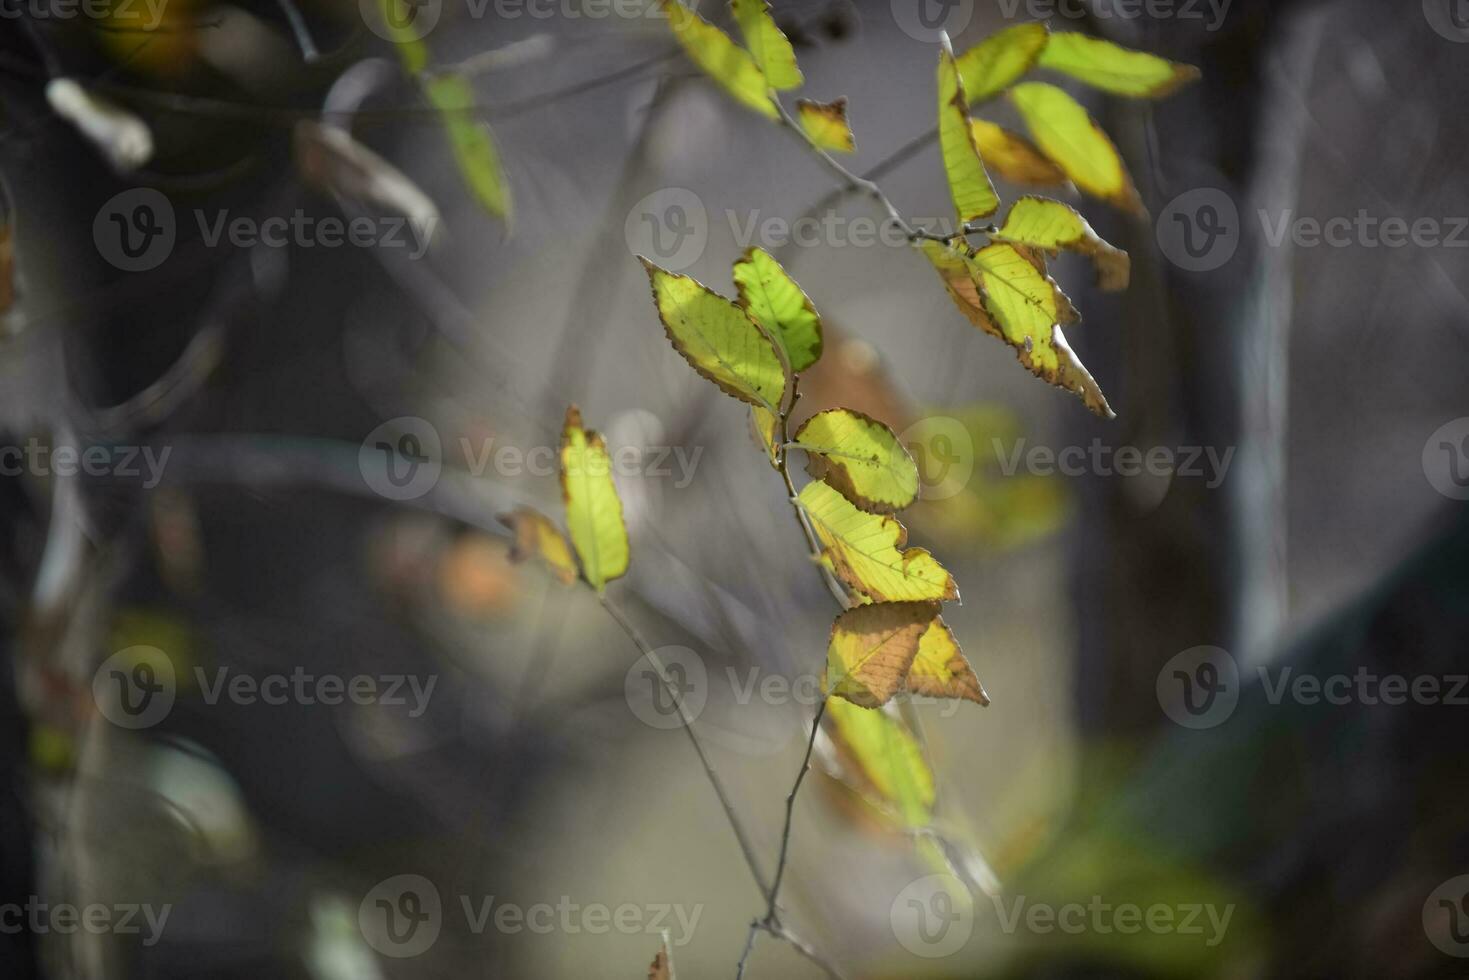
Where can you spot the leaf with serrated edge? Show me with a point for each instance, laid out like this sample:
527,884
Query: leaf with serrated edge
537,536
1051,226
473,145
1014,157
767,44
718,339
593,509
826,124
861,459
721,59
940,669
864,551
974,196
993,64
883,760
1068,135
773,300
872,649
1113,68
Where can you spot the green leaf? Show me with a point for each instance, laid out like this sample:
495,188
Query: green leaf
872,649
593,509
474,146
718,339
1051,226
826,124
773,300
721,59
883,760
1014,157
1068,136
940,669
974,196
863,551
396,17
767,44
861,459
993,64
1113,68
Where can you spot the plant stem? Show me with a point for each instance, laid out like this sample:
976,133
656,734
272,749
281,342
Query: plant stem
785,837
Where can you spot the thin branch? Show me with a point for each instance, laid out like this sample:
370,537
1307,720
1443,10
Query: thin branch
750,937
785,836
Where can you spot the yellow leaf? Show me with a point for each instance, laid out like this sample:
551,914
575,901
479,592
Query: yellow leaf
826,124
974,196
863,551
1113,68
536,536
473,145
1014,157
721,59
767,430
940,670
884,761
767,44
593,509
773,300
861,459
718,339
993,64
1001,291
1051,226
1068,136
872,649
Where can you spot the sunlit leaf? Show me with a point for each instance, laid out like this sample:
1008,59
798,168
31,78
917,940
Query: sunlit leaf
767,430
1067,135
993,64
861,459
767,44
872,649
1051,226
885,762
721,59
718,339
940,669
1002,292
1014,157
537,536
826,124
593,509
773,300
974,196
865,551
473,145
1113,68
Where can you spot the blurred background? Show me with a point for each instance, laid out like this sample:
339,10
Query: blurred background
364,707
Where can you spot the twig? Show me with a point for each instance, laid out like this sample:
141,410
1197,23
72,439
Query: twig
750,937
785,836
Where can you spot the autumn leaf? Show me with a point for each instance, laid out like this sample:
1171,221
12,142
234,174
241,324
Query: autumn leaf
1113,68
1051,226
767,44
993,64
940,669
767,431
863,550
1067,135
721,59
537,536
974,196
471,141
718,339
883,760
593,509
1014,157
773,300
826,124
861,459
872,649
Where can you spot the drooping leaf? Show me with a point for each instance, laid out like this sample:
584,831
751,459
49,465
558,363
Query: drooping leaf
1051,226
537,536
718,339
872,649
885,762
662,966
1014,157
826,124
773,300
940,669
767,431
471,140
1068,135
721,59
593,508
1001,291
974,196
1113,68
861,459
864,551
993,64
767,44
